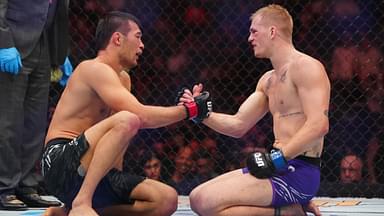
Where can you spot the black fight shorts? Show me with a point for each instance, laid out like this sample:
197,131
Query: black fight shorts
64,176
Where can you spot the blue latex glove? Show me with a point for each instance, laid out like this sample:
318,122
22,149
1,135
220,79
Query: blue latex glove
67,70
10,61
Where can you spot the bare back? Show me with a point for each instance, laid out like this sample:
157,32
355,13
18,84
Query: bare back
286,103
80,106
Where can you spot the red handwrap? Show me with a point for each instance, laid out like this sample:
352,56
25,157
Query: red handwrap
192,109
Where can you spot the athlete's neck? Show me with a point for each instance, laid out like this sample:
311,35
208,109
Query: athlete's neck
282,56
111,60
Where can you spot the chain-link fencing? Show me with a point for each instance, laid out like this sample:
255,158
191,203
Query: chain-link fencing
188,42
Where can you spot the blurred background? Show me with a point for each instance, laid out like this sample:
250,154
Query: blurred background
205,41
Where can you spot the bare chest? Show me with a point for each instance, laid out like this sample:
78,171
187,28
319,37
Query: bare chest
101,110
282,94
93,109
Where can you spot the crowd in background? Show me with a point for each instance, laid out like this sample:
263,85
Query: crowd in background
206,41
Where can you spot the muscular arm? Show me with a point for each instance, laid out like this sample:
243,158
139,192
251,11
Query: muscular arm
108,86
126,80
313,88
249,113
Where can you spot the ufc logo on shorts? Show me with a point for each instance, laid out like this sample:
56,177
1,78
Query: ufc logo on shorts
258,159
73,142
209,105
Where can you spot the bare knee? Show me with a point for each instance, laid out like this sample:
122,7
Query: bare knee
167,202
195,201
127,123
200,202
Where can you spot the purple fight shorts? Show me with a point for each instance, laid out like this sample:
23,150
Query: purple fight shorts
298,184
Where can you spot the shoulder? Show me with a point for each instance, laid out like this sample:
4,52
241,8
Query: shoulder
264,81
93,65
94,73
305,65
306,69
265,77
93,69
303,59
125,75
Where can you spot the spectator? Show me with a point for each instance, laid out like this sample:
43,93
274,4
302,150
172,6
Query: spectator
312,22
344,70
34,37
205,166
342,13
151,166
182,178
351,169
210,144
370,70
351,181
344,59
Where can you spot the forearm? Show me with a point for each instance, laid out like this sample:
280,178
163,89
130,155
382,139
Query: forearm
158,116
305,138
226,124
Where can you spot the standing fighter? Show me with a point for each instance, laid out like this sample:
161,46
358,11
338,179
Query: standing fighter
296,92
95,120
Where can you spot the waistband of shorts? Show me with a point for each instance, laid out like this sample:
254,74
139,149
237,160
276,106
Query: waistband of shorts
57,141
316,161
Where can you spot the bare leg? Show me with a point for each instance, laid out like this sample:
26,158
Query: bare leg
239,194
55,211
107,140
233,193
152,198
290,210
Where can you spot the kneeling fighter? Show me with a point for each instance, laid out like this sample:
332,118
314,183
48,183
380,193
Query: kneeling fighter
95,120
296,92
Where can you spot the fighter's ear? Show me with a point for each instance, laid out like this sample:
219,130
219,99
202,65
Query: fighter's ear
272,31
116,38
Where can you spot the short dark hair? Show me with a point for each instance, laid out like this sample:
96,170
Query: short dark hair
114,21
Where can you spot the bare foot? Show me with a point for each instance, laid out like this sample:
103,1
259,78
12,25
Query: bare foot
292,210
82,210
299,210
311,207
55,211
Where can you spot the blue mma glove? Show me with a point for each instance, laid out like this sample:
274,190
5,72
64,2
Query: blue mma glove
10,61
67,70
265,165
